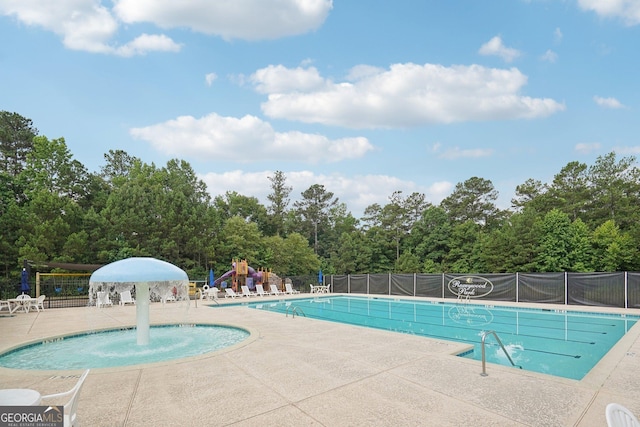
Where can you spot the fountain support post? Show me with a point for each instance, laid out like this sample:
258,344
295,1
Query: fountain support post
142,313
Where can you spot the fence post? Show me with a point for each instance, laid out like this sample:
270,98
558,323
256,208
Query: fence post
415,283
37,284
626,289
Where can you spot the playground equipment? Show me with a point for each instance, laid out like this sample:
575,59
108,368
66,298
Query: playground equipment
242,274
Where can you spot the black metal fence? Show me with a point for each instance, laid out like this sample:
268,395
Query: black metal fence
63,290
619,289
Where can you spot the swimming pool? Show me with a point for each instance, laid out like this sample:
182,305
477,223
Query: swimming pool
557,342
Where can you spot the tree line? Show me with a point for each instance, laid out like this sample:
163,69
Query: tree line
53,209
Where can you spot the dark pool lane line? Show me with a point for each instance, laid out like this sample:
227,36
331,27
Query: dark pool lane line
373,319
427,311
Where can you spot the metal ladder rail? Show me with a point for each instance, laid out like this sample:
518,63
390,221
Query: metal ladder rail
484,360
294,309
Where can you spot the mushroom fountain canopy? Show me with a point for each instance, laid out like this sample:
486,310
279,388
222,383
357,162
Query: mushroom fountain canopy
161,276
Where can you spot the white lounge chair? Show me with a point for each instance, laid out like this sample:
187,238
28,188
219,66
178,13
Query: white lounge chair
288,289
230,293
619,416
37,303
71,406
103,300
275,290
126,298
246,292
260,291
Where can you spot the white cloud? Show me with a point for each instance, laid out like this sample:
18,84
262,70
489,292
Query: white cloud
549,56
402,96
277,78
608,102
495,47
632,151
360,72
210,78
457,153
557,35
627,10
147,43
88,25
246,19
438,191
587,148
84,25
222,138
356,192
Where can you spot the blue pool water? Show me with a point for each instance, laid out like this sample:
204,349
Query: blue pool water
119,347
561,343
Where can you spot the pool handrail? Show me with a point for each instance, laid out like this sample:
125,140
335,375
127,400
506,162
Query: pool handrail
294,309
484,361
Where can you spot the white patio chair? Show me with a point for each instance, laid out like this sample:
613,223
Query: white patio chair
37,303
4,303
275,290
204,292
260,291
619,416
24,303
71,406
209,293
103,300
170,297
126,298
246,292
230,293
288,289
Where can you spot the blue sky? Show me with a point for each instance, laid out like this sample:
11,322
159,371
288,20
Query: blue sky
364,97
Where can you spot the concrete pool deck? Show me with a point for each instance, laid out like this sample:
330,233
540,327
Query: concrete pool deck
305,372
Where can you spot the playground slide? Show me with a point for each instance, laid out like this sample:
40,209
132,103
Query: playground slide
224,277
255,275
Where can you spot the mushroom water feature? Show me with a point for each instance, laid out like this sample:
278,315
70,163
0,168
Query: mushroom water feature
152,278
